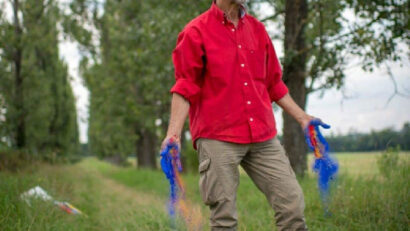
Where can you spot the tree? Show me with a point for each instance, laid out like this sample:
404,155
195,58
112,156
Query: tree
129,71
319,40
373,141
40,113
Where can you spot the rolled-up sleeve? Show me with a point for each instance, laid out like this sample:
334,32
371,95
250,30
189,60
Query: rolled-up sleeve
274,83
188,63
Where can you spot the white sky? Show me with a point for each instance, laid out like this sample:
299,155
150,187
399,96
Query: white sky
364,110
69,52
366,107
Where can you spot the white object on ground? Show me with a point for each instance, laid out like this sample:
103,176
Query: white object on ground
36,192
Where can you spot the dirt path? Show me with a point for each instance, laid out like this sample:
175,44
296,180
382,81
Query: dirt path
111,205
126,194
127,203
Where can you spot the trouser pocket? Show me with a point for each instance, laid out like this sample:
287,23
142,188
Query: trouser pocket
204,181
210,188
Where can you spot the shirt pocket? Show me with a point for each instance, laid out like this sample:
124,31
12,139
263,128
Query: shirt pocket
219,61
257,63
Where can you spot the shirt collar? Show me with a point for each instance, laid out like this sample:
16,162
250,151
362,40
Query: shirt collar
220,14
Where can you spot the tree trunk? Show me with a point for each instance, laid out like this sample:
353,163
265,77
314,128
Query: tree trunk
116,160
18,97
146,150
294,76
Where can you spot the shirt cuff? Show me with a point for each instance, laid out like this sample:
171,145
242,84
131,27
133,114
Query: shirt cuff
278,91
185,88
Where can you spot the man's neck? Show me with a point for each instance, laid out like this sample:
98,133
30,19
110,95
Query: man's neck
231,9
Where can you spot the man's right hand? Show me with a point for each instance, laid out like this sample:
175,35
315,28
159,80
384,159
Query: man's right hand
167,138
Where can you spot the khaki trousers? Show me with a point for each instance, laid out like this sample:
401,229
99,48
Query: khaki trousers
266,164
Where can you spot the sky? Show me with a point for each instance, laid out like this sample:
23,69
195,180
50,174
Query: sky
361,106
364,104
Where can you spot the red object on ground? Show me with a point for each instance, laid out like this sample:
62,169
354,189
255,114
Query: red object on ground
230,76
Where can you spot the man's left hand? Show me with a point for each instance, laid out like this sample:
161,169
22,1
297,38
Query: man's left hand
304,122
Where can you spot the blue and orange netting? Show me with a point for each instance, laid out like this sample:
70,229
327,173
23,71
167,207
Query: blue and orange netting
324,165
178,204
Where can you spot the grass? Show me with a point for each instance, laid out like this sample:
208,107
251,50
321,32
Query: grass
117,198
358,164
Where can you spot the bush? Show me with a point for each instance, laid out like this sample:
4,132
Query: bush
14,160
388,161
191,157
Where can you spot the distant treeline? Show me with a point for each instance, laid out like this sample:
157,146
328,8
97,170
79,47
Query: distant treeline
373,141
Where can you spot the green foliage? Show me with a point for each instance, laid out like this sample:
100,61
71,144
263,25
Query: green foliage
191,157
128,68
107,205
21,160
373,141
130,76
43,101
388,161
337,32
382,26
130,199
15,160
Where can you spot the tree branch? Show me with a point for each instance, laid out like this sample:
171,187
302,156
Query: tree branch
354,30
273,17
396,89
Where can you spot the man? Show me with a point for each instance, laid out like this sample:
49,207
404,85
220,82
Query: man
227,76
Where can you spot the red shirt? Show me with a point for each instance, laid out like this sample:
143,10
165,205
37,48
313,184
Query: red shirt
230,76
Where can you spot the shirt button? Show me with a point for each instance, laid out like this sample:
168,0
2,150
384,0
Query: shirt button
251,119
233,30
223,22
249,102
245,83
239,46
242,65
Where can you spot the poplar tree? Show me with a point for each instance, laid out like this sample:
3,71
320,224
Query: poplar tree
129,71
39,105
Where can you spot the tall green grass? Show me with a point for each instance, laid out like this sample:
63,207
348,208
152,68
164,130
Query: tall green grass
116,198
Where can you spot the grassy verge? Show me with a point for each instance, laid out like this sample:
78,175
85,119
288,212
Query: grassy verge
117,198
107,204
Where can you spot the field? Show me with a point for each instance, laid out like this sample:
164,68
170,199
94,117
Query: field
115,198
